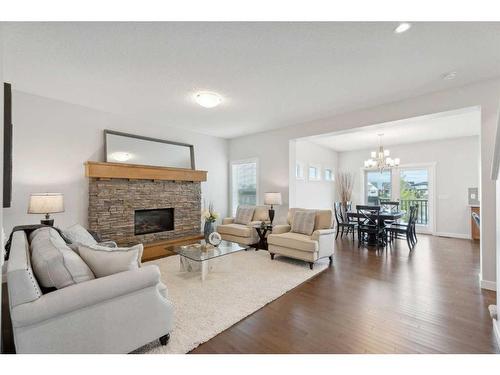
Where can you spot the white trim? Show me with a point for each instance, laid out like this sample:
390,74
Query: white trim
453,235
486,284
257,180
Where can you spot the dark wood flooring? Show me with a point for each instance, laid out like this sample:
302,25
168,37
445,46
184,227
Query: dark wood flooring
369,301
373,301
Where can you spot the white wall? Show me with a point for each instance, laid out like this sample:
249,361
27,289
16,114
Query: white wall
456,170
53,139
273,147
313,194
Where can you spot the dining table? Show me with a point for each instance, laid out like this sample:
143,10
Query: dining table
383,217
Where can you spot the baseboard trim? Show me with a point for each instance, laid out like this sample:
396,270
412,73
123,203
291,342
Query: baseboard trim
486,284
453,235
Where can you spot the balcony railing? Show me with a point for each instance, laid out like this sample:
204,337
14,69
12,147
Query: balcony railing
422,209
405,204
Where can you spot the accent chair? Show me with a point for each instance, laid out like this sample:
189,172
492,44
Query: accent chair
310,247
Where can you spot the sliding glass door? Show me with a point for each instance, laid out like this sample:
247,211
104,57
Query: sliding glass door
414,191
411,185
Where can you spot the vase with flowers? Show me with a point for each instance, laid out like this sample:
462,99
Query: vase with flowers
210,216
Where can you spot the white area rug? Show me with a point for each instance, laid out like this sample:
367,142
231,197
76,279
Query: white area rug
240,284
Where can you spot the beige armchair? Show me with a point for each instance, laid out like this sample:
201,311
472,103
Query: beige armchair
243,233
300,246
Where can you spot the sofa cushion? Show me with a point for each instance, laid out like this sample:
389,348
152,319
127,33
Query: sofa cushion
303,222
54,263
105,261
244,215
324,219
78,234
235,230
293,241
261,213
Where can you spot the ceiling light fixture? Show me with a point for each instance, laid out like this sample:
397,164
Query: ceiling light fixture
208,99
381,159
449,76
402,27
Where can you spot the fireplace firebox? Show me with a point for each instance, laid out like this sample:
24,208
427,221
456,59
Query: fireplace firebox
153,220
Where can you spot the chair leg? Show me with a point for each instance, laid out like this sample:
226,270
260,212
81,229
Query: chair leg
164,339
342,234
352,234
330,260
311,265
410,246
338,227
272,256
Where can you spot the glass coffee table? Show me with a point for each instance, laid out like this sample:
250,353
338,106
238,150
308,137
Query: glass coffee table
196,257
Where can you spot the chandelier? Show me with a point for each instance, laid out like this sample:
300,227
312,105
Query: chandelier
381,159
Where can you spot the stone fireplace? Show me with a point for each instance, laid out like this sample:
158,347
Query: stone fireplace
132,211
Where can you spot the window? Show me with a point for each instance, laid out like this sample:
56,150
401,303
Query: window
243,183
329,174
377,186
314,173
299,171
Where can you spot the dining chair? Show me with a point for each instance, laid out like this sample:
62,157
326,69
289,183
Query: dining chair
405,230
343,221
389,206
369,225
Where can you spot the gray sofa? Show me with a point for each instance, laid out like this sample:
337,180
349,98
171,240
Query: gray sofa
112,314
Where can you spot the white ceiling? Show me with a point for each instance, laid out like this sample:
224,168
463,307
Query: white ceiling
453,124
271,74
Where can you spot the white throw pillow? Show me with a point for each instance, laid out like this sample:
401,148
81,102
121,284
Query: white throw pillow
105,261
54,263
244,215
78,234
303,222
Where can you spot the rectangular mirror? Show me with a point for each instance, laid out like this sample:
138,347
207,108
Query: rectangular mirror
135,149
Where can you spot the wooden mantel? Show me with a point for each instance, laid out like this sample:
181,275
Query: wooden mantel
142,172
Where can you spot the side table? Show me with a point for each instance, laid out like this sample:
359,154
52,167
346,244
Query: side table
262,232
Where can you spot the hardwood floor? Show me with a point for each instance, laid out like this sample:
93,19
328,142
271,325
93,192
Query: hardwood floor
386,301
369,301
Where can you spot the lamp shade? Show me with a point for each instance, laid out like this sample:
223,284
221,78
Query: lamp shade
46,203
272,198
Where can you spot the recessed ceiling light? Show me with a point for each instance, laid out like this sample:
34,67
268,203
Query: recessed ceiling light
402,27
449,76
208,99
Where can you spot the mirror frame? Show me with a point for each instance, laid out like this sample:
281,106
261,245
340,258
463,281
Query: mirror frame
113,132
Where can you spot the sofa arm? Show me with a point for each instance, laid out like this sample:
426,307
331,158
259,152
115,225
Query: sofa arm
281,228
228,220
321,232
88,293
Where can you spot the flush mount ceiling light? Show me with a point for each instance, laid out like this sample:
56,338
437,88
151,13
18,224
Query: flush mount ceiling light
402,27
449,76
208,99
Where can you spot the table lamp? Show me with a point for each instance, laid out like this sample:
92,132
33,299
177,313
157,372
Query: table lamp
272,199
46,203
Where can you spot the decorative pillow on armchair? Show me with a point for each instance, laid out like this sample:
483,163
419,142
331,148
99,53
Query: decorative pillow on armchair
244,215
105,261
303,222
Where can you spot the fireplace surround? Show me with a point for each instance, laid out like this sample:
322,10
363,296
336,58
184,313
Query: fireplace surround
113,204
